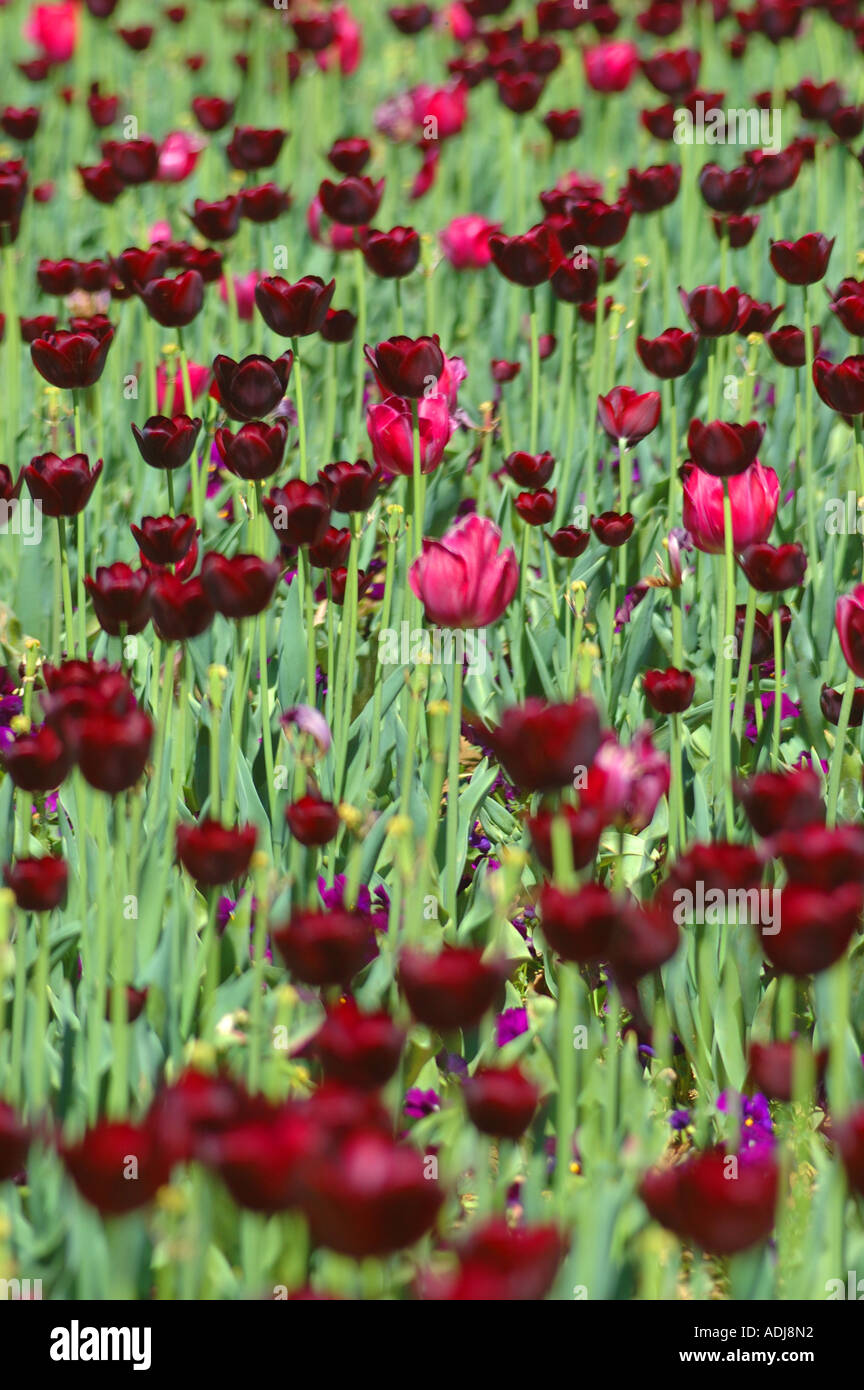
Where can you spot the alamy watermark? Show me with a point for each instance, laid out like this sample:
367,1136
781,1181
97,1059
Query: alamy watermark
436,646
21,517
712,907
751,126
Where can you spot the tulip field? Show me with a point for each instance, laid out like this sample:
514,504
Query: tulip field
432,613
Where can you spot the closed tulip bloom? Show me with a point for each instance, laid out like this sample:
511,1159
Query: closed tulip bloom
99,1166
390,425
646,937
407,366
675,72
255,451
338,326
782,800
804,261
262,1156
331,552
37,327
695,1200
850,1142
174,303
613,528
353,202
627,415
71,361
353,487
830,702
754,496
502,1263
771,1067
569,542
358,1049
299,512
63,487
754,316
294,311
371,1197
58,277
121,598
580,924
724,449
181,609
264,203
212,113
711,311
530,470
536,508
15,1139
669,355
773,568
527,260
849,620
849,309
788,347
392,255
350,155
133,161
312,821
669,691
653,188
737,230
113,749
611,67
250,149
626,781
212,853
563,125
39,885
240,586
727,190
251,388
136,267
818,857
37,761
465,580
325,948
540,745
584,827
164,540
501,1101
576,284
167,442
815,927
453,989
101,182
465,241
840,385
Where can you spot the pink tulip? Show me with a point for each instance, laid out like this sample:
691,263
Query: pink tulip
178,156
754,495
625,784
451,379
611,67
440,111
198,378
347,46
54,30
849,617
463,580
244,290
465,243
391,432
160,231
456,19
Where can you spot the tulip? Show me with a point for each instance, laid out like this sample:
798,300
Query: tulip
540,745
353,202
820,857
133,162
501,1101
727,190
530,470
255,451
407,367
37,761
392,255
212,113
849,620
250,149
465,242
527,260
324,948
669,355
464,580
212,853
113,749
15,1139
627,416
502,1263
773,568
772,1065
239,587
788,345
391,433
358,1049
669,691
453,989
136,268
804,261
753,494
331,552
353,487
711,311
830,702
696,1201
338,326
850,1142
816,927
121,598
654,188
101,181
718,866
611,67
262,1157
646,938
350,155
312,821
738,231
264,203
675,72
579,925
294,311
840,385
625,783
613,528
174,303
181,610
62,487
299,512
569,542
164,540
39,885
563,125
69,360
99,1166
776,801
54,29
723,449
217,221
178,156
252,387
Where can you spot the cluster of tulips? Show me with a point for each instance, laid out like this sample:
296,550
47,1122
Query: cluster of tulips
408,621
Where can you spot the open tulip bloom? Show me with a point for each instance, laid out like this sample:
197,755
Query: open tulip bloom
432,671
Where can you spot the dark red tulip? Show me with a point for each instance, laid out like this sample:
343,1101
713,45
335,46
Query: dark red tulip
541,745
669,691
738,231
250,149
536,508
312,821
804,261
164,540
181,609
212,853
293,311
503,371
353,487
121,598
847,122
251,388
580,924
212,113
102,106
613,528
816,102
331,552
563,125
133,161
71,360
113,749
358,1049
530,470
206,261
338,326
453,989
723,449
135,268
519,91
500,1262
627,415
407,367
38,760
20,122
299,512
653,188
99,1166
255,451
576,284
262,1156
569,542
138,38
527,260
39,885
775,172
264,203
167,442
773,568
392,255
831,700
584,828
675,72
850,1142
727,190
816,857
816,927
133,1006
101,181
37,327
353,202
370,1197
501,1101
174,303
324,948
840,385
711,311
671,354
776,801
240,586
62,486
350,156
787,345
771,1067
849,309
599,223
15,1139
698,1202
217,221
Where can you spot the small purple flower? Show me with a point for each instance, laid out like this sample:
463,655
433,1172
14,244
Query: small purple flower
788,710
679,1119
419,1103
757,1129
509,1025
